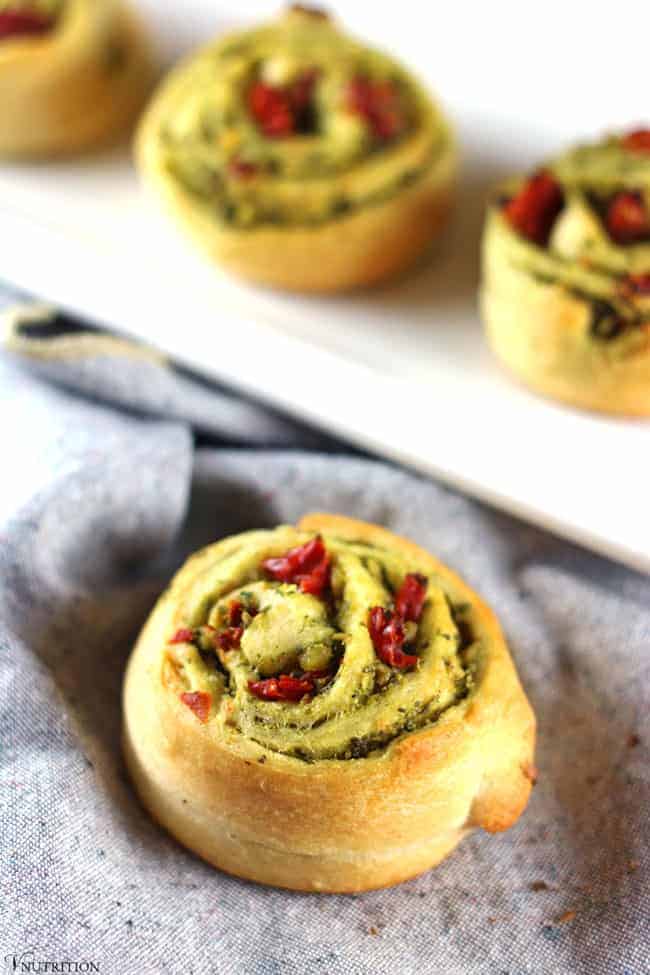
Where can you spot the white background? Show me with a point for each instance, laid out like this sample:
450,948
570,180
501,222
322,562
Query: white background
403,369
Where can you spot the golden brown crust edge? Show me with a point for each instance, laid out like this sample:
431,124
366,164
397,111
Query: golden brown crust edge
336,826
539,331
72,102
356,251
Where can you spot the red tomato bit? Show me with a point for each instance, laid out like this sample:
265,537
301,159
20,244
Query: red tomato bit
242,169
307,566
184,635
231,638
378,102
199,702
637,141
282,688
636,284
627,218
533,210
387,635
281,111
409,601
235,610
271,110
20,23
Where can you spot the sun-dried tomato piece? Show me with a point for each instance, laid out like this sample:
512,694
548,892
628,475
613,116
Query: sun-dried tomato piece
378,102
282,688
409,601
297,560
19,23
637,141
317,580
230,639
387,635
199,702
627,219
635,285
184,635
242,169
235,611
281,111
271,109
533,210
307,566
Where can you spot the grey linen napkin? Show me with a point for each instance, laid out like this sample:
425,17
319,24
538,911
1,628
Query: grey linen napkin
128,374
99,505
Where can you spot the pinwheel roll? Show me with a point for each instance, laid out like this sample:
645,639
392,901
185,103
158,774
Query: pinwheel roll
72,74
299,158
566,276
325,708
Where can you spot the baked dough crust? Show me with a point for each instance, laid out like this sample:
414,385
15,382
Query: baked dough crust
352,252
78,86
337,825
370,244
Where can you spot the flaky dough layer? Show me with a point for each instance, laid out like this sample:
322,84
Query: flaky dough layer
335,824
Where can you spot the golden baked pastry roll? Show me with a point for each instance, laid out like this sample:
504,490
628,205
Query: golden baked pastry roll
299,158
325,708
566,276
73,74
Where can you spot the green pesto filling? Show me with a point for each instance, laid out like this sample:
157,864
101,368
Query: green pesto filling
207,133
603,167
614,314
361,704
230,208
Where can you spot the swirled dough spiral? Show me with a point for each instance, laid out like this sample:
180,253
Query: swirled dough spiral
371,772
298,157
569,312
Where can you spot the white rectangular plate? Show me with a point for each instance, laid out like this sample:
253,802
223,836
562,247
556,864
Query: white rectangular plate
404,369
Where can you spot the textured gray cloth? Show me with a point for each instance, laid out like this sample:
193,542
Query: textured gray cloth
97,509
128,374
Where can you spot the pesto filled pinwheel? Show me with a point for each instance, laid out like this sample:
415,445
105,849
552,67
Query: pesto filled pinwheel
566,276
298,157
73,74
325,707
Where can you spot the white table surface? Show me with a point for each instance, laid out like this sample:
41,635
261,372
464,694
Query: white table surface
404,369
